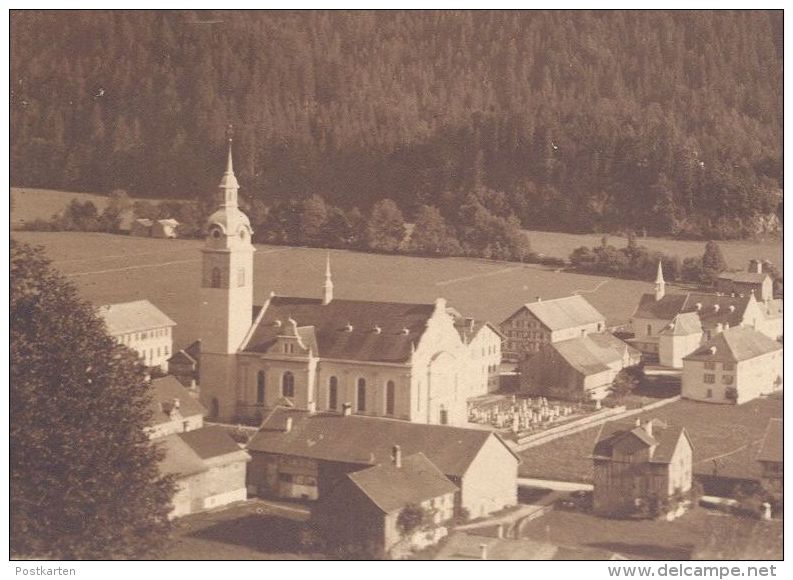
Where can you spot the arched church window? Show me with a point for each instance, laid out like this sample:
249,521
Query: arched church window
214,408
288,384
362,394
241,277
215,278
261,382
333,393
390,397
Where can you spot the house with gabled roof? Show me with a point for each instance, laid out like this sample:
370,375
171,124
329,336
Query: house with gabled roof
538,323
682,336
301,455
735,366
641,468
366,505
208,465
143,327
771,456
577,369
751,281
386,359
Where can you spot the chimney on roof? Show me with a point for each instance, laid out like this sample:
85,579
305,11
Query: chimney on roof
756,266
346,409
716,308
648,427
396,456
483,551
638,422
712,350
348,328
406,330
277,323
175,403
719,327
538,298
377,329
288,425
698,306
732,307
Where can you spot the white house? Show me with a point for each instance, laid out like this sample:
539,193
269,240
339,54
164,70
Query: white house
735,366
142,327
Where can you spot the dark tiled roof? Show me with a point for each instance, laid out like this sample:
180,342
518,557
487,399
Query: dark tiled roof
367,440
566,312
333,340
592,353
734,345
164,391
744,277
771,448
391,488
209,442
664,437
712,309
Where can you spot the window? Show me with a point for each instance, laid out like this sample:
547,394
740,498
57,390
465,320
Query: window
444,418
709,394
710,379
261,383
158,352
728,367
215,283
710,366
649,329
241,277
333,393
288,384
390,396
727,379
362,394
165,349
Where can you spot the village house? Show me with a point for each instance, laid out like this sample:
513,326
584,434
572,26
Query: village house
541,322
716,312
141,227
365,507
165,228
209,467
577,369
483,340
641,468
406,361
185,365
752,281
771,457
143,327
301,455
735,366
679,338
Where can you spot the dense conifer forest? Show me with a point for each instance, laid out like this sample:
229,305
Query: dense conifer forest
669,122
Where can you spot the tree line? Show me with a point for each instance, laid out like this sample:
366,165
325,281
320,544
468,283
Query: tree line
580,121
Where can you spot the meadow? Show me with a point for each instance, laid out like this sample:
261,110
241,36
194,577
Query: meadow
112,268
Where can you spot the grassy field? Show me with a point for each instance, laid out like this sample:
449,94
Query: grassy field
110,268
699,534
725,438
737,253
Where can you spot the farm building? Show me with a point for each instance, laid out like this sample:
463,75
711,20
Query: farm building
716,312
364,509
301,455
405,361
753,280
541,322
208,465
640,467
185,365
735,366
484,346
143,327
578,368
141,227
771,456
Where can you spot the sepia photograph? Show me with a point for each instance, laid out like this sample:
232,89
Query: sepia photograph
483,285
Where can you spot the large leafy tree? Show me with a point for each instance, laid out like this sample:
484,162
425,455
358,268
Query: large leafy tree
84,480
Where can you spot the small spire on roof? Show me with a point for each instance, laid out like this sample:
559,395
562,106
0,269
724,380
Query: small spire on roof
327,295
660,284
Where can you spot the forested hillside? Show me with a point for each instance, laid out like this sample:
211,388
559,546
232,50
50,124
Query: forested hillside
583,121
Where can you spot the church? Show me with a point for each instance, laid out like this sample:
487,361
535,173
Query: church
380,359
